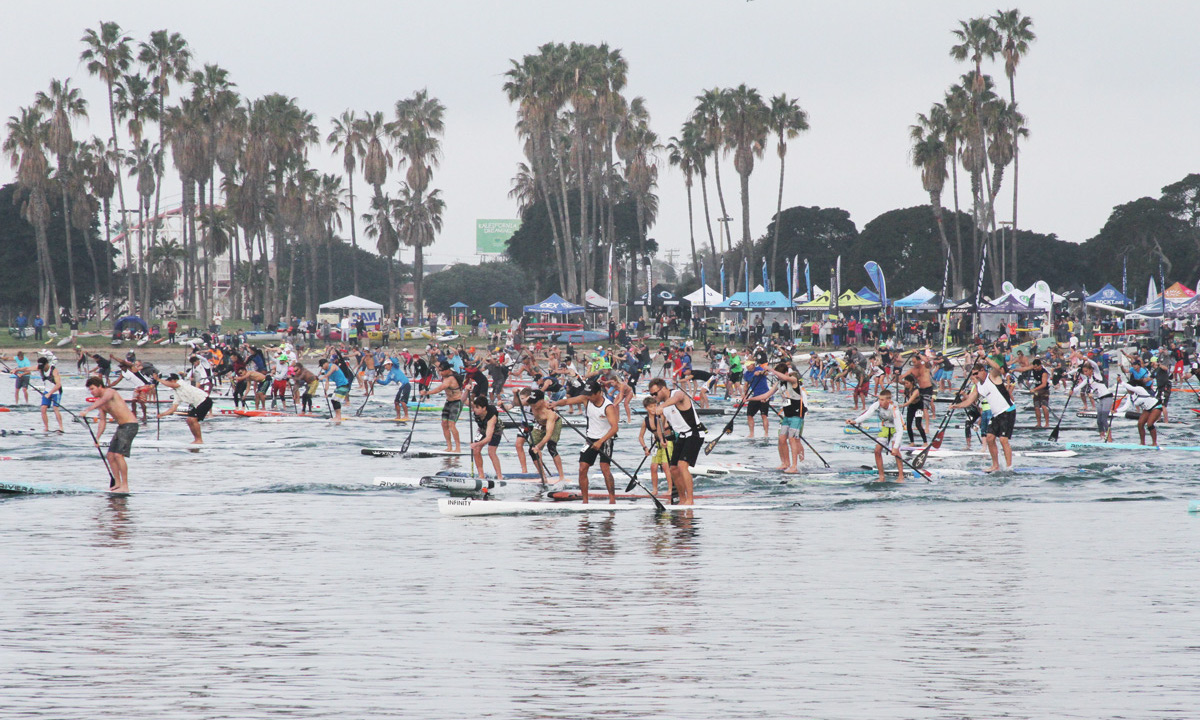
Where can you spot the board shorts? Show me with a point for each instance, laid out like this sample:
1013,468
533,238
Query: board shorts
202,410
22,381
735,377
1041,399
369,375
122,441
755,407
926,398
860,390
263,387
590,454
1164,397
497,436
341,393
686,449
452,410
792,427
404,393
662,454
52,400
1002,424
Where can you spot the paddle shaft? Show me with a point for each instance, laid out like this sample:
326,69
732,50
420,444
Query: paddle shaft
806,442
728,427
632,478
934,439
112,480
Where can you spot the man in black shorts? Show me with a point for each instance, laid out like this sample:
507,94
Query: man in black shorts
600,435
757,394
109,403
201,404
1040,379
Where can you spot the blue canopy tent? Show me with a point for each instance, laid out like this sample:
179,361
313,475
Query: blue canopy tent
554,305
499,306
915,298
459,306
755,301
1109,295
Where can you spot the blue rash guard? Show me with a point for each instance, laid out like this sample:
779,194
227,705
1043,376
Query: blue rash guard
396,376
757,378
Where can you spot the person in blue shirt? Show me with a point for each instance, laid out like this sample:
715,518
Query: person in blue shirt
22,323
757,393
393,374
38,324
341,386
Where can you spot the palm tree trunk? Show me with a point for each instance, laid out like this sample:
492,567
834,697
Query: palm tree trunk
329,267
108,258
392,289
87,244
692,230
143,290
310,286
70,256
112,117
712,246
559,246
721,198
353,244
778,214
745,189
419,280
235,293
1016,175
958,279
291,281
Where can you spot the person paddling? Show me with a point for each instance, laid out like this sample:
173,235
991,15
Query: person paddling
52,395
201,404
108,402
677,409
600,435
989,385
888,414
490,434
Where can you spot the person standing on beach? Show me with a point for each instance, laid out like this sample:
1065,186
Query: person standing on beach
108,402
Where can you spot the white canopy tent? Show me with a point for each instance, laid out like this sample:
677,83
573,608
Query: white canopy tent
594,300
803,297
352,305
705,297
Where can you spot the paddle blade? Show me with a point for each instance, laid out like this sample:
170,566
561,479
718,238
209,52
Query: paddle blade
919,461
708,447
632,484
1054,434
937,440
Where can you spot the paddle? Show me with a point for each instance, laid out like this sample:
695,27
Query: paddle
936,441
923,473
806,442
633,481
1063,413
359,412
411,426
708,447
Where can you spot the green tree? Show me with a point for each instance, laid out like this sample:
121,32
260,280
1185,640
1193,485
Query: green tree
25,144
64,104
479,286
744,116
417,130
346,138
1016,34
786,120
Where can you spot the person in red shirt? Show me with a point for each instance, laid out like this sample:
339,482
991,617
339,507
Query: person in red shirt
172,326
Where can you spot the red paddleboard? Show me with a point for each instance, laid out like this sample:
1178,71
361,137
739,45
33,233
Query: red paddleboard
568,495
266,413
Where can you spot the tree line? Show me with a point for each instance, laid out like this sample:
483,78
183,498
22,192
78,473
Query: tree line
248,189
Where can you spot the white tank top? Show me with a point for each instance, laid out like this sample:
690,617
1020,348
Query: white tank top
597,419
992,395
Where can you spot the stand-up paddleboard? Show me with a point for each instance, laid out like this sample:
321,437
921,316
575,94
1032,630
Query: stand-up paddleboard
465,507
1132,446
24,488
63,342
143,341
397,452
391,482
9,457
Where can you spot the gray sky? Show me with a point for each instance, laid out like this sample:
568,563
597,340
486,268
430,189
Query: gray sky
1109,88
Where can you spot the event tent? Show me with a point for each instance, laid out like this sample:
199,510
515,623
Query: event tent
595,301
1108,295
705,297
459,306
1178,292
916,297
368,310
755,301
1010,305
554,305
848,300
937,304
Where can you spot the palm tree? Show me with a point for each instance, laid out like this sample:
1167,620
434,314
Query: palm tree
83,209
744,118
1016,33
678,155
347,140
379,227
136,104
637,146
787,121
167,58
108,53
102,181
957,101
25,144
166,261
929,154
694,144
707,116
64,104
416,131
418,220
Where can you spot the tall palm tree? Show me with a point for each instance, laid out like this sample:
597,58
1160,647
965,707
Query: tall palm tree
167,59
346,138
83,210
744,117
1016,33
418,220
929,154
378,226
707,116
108,53
957,101
136,104
25,144
638,146
786,120
694,144
102,182
64,104
678,156
417,130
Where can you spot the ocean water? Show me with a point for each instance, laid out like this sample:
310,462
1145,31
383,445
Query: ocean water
268,576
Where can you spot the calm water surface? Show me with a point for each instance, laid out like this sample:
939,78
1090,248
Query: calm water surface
274,580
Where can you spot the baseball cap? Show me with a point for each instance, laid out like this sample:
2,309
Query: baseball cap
593,387
535,396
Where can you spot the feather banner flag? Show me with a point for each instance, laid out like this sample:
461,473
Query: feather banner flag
722,288
766,280
1124,274
807,280
979,282
878,280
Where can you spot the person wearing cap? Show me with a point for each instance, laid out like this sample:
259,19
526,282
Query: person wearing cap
333,372
200,402
52,394
544,436
756,393
304,381
452,408
600,436
143,386
392,374
22,371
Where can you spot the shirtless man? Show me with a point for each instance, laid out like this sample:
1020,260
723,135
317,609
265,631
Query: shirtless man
108,402
924,378
257,381
452,409
545,435
306,382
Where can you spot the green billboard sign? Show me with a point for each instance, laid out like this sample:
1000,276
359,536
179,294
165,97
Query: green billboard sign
491,236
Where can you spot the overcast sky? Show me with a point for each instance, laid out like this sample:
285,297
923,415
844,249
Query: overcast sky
1109,89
